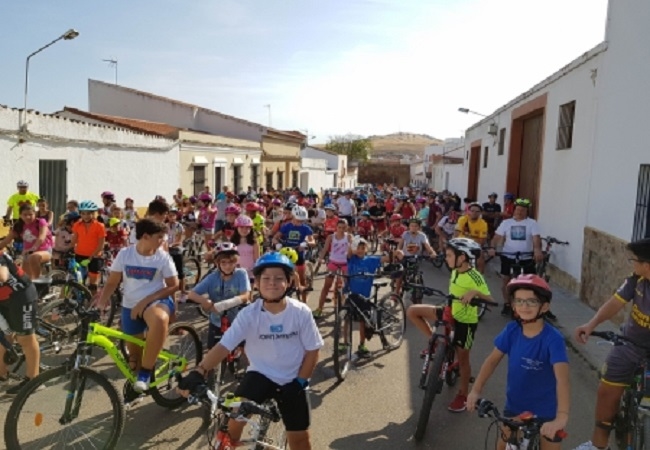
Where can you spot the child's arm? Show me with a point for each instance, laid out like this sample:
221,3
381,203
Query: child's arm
549,429
487,369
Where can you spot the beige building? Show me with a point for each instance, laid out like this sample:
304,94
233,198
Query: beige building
281,158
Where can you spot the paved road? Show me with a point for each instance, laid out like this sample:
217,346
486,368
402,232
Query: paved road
376,407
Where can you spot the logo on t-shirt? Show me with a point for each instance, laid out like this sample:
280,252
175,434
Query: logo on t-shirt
531,364
276,328
518,233
140,273
293,235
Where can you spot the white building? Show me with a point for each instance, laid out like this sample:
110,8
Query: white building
444,166
314,174
337,164
418,177
64,159
575,145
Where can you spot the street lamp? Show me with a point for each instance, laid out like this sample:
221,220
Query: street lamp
468,111
67,36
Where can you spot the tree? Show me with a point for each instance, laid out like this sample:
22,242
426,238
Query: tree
356,147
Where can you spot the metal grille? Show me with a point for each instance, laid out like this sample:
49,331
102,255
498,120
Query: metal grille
642,214
269,181
486,152
254,181
236,179
565,128
502,141
53,183
280,180
199,179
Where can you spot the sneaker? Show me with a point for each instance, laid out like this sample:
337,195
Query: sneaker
317,313
363,351
140,386
589,446
343,347
459,404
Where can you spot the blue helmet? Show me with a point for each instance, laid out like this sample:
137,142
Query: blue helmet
88,205
365,214
272,260
508,196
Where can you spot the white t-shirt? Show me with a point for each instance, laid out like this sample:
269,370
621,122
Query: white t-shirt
447,227
173,231
142,275
275,343
518,235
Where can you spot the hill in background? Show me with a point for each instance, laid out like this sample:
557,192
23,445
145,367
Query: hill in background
397,145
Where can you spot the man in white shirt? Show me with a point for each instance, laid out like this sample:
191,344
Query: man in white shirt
347,207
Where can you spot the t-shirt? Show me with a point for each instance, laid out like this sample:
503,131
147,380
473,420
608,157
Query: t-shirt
476,230
116,239
376,211
396,231
413,244
531,384
294,235
491,208
142,275
88,236
219,289
275,343
459,284
30,233
18,280
173,231
434,209
364,227
518,235
330,224
636,289
423,214
207,218
447,225
356,265
345,205
17,200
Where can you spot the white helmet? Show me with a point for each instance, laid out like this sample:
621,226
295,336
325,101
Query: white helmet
299,213
22,183
356,241
467,246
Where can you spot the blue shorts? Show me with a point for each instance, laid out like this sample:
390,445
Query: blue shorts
139,326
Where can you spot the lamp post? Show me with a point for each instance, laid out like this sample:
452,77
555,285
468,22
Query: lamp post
469,111
67,36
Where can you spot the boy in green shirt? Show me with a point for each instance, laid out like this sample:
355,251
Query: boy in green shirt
465,284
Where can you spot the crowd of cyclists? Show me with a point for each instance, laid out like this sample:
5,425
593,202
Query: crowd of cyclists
260,240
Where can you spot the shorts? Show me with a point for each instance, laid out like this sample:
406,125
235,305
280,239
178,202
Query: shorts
527,265
20,311
621,364
295,408
464,334
139,326
177,258
348,219
95,265
334,266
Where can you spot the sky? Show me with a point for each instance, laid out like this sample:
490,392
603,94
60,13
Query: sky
326,67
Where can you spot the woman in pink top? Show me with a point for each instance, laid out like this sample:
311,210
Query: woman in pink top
37,240
247,245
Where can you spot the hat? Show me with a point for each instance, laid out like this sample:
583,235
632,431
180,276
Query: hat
114,221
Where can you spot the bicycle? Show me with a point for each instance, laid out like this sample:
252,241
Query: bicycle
632,422
524,429
385,317
412,276
440,365
74,389
266,432
540,268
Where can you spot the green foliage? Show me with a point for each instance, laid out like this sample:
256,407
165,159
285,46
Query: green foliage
356,147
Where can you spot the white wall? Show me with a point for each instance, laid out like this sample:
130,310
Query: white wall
314,174
98,158
335,162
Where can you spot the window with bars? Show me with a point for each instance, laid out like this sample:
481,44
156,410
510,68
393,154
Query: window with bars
236,178
294,178
280,180
641,228
254,171
565,126
502,141
269,181
486,151
199,179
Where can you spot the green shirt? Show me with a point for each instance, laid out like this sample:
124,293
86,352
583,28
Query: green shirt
459,284
17,200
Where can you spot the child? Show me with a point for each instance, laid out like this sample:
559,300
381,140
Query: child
364,226
465,284
175,234
247,245
117,213
252,211
337,246
538,367
130,213
43,212
207,216
116,237
89,236
228,230
63,238
331,220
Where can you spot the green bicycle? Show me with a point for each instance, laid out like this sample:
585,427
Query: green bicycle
79,407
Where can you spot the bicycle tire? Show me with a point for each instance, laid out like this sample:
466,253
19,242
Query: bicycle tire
58,313
438,260
433,384
192,272
271,433
452,375
417,294
342,329
396,320
374,244
160,393
16,410
624,420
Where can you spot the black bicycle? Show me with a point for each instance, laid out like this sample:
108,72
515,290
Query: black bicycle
541,266
524,429
440,365
411,275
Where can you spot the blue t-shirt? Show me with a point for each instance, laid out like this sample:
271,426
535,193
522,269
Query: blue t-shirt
327,201
219,289
356,265
294,235
531,379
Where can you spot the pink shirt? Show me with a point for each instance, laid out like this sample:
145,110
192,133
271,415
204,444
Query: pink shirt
246,258
207,218
30,234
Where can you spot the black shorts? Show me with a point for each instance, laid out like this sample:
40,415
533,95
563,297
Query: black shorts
95,265
348,219
527,265
178,263
464,334
20,311
294,408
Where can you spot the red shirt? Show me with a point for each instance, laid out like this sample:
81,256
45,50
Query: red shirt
364,227
116,239
396,232
508,210
390,205
330,224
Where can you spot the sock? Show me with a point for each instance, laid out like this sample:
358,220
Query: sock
144,375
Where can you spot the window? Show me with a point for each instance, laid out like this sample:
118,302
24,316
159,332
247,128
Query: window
199,179
641,228
485,156
236,179
294,178
565,127
502,141
254,170
218,179
280,180
269,181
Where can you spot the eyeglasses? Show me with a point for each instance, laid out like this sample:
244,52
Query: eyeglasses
526,302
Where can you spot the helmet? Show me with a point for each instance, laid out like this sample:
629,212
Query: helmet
289,206
22,183
276,201
420,200
365,214
299,213
493,194
88,205
108,194
205,197
523,202
508,196
273,260
252,206
330,208
243,221
71,217
113,221
533,282
225,248
192,199
233,209
466,246
395,217
290,253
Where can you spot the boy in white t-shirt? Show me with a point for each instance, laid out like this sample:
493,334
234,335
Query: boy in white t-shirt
150,280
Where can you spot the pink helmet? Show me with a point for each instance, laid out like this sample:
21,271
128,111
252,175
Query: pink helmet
252,206
205,197
243,221
276,201
225,248
233,209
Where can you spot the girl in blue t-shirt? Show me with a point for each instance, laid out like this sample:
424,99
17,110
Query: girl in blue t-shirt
538,367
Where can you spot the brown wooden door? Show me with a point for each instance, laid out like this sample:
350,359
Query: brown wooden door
474,166
530,165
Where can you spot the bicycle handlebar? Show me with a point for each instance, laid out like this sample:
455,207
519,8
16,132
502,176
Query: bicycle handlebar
552,240
432,292
618,339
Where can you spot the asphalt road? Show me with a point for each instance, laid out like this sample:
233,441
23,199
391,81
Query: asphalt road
376,407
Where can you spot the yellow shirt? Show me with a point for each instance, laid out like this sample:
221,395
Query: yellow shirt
459,285
17,200
473,230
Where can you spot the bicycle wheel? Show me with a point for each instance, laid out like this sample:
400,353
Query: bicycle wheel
438,260
59,314
624,420
417,293
453,373
481,309
391,322
192,272
342,353
374,244
434,381
183,341
35,419
309,274
271,433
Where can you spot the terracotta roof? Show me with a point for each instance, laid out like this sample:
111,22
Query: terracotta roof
143,126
